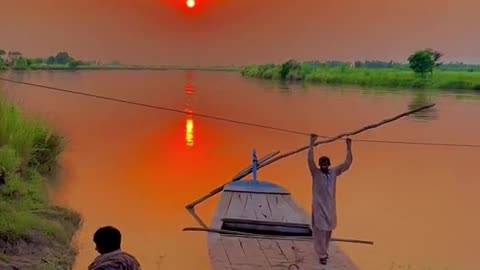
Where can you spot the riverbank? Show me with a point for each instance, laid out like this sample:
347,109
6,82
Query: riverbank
367,77
14,60
34,233
118,67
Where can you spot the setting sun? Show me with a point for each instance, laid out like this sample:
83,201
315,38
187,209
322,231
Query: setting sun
190,3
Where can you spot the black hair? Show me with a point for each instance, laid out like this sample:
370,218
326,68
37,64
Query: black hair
322,159
107,239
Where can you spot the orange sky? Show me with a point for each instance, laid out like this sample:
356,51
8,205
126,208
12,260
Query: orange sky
240,32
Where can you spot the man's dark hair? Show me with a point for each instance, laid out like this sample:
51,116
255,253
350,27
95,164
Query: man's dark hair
107,239
324,159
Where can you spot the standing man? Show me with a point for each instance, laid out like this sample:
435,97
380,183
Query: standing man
324,212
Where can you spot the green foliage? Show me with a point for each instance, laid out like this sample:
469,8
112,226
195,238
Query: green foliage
28,147
51,60
47,147
21,64
35,144
37,61
9,160
421,62
2,61
73,64
342,73
19,199
290,70
424,61
63,58
26,143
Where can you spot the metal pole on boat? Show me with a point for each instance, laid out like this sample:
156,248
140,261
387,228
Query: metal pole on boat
254,167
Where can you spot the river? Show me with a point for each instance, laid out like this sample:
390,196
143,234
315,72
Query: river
136,168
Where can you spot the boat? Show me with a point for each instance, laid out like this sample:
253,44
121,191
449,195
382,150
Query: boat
259,225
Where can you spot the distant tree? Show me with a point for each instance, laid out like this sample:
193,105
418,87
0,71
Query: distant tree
288,67
12,57
51,60
20,63
74,64
436,56
37,61
2,62
63,58
423,61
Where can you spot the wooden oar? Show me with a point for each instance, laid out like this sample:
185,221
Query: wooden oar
254,235
248,170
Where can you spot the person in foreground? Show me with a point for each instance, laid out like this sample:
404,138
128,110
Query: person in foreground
324,212
108,241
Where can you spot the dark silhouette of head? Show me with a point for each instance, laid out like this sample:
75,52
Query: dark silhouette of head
324,163
107,239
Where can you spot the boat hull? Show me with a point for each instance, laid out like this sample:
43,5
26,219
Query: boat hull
279,244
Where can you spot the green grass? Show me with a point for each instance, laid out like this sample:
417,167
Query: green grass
31,142
28,150
367,77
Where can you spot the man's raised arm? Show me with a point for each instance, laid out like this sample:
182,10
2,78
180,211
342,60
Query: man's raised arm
348,160
311,161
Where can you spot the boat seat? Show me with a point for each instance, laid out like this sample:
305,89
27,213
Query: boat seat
265,227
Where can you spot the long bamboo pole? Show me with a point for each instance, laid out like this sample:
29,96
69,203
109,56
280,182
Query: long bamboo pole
197,229
346,134
249,170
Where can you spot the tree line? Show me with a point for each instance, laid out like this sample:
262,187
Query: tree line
16,60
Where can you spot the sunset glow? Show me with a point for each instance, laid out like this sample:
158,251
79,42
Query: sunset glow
190,3
189,132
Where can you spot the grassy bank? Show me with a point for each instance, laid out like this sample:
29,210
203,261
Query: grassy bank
34,234
366,77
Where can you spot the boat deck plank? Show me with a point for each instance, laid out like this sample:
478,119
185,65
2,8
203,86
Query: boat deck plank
232,252
263,207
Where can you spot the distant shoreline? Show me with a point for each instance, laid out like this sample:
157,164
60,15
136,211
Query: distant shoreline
449,77
363,77
16,61
437,75
121,67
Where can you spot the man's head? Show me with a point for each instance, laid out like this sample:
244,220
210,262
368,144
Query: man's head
107,239
324,163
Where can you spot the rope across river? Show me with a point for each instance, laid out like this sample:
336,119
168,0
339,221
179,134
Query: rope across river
303,133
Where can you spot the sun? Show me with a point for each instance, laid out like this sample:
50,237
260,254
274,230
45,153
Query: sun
190,3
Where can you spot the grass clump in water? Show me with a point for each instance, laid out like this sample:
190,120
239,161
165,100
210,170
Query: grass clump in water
31,228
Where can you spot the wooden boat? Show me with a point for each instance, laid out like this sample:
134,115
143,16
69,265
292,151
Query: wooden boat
273,231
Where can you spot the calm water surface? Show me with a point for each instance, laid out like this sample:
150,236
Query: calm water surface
136,168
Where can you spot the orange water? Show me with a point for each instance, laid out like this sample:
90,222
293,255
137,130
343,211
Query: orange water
136,168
